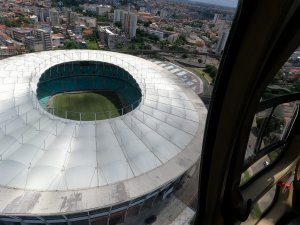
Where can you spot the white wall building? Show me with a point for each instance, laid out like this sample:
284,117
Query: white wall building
57,40
118,15
33,19
216,18
130,24
102,10
89,21
173,37
128,20
108,37
222,41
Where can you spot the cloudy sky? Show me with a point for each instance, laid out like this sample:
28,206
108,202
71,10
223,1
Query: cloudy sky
231,3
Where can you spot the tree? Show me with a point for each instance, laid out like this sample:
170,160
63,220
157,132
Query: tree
200,61
184,56
132,46
78,9
170,28
145,46
71,44
147,24
119,46
211,70
174,16
163,44
118,24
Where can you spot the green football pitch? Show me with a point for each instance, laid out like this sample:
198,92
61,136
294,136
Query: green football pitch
86,106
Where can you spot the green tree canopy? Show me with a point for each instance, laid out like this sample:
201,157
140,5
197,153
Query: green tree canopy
71,44
211,70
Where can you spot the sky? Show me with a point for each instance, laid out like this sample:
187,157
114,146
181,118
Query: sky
231,3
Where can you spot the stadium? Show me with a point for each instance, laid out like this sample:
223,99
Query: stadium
92,137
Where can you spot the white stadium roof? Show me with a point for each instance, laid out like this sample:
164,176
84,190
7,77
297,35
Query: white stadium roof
50,165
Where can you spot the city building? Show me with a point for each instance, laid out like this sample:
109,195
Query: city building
145,16
128,21
45,37
89,7
19,34
222,41
216,18
88,21
72,17
9,47
56,170
54,17
108,37
173,37
5,40
6,16
5,51
33,19
102,10
129,24
34,44
58,40
118,15
87,33
43,14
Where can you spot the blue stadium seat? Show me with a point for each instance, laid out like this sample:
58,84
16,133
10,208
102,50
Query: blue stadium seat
87,76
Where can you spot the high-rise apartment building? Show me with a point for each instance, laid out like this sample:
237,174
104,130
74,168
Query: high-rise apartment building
72,17
118,15
222,41
19,34
101,10
130,24
37,40
34,44
108,36
128,20
54,17
216,18
42,13
45,37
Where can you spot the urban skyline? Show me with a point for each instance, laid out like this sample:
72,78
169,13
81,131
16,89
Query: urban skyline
228,3
104,106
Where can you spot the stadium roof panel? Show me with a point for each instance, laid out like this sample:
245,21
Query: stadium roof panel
44,159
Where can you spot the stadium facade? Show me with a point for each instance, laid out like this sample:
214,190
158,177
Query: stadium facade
57,170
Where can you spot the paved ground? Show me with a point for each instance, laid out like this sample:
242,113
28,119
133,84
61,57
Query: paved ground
188,193
178,209
169,212
184,217
186,76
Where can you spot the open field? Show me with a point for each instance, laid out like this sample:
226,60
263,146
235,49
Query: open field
86,106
